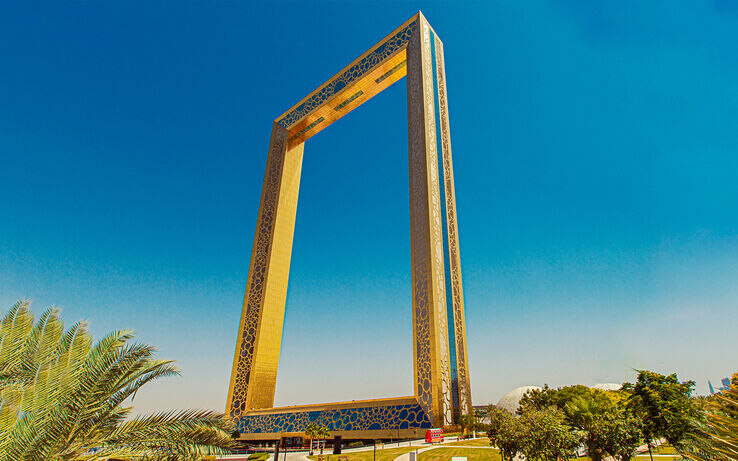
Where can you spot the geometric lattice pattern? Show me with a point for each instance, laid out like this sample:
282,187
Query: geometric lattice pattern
370,418
357,70
441,373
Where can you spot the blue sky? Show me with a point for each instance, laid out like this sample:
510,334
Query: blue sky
595,166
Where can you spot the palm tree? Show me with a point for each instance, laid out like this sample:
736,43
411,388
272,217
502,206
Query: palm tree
322,434
318,432
719,440
63,397
310,433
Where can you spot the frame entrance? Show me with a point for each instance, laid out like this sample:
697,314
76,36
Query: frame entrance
441,372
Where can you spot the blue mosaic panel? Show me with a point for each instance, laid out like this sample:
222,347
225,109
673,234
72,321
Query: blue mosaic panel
353,73
345,419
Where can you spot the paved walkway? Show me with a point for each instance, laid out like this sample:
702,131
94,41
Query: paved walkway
406,457
423,446
641,450
303,455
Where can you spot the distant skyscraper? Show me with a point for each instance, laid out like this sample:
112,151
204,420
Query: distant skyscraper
725,382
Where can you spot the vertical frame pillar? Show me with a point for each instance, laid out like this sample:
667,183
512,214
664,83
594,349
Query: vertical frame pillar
430,317
254,375
441,371
460,382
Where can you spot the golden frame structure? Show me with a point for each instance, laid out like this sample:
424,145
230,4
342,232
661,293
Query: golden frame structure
441,371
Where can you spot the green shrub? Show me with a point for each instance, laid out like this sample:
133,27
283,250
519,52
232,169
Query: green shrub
258,456
356,444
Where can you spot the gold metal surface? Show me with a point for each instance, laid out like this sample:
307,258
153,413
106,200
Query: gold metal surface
441,384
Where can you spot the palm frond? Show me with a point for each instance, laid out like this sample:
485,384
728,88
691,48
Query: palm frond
62,397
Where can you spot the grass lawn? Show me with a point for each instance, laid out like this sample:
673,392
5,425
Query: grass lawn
483,442
657,458
661,451
388,454
664,450
445,454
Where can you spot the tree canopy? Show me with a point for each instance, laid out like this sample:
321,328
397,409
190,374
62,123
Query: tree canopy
664,406
607,423
546,436
505,432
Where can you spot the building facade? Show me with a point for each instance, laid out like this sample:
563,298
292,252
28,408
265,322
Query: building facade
441,371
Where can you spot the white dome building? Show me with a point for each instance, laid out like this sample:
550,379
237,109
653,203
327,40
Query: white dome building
607,386
511,400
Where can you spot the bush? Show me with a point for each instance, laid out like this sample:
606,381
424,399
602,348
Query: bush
356,444
258,456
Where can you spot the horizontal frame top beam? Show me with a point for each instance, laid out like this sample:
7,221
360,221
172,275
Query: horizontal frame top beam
365,77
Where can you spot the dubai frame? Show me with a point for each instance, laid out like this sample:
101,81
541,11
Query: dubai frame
441,371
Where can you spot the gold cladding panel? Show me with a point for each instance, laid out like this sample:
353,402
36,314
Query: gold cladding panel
269,336
407,51
368,87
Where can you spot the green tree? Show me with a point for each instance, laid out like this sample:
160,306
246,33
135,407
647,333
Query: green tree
505,432
496,417
468,423
63,397
546,436
581,412
605,426
310,433
616,433
541,399
317,432
536,399
582,407
664,406
322,433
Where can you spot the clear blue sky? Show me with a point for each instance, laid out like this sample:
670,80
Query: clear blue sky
595,152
